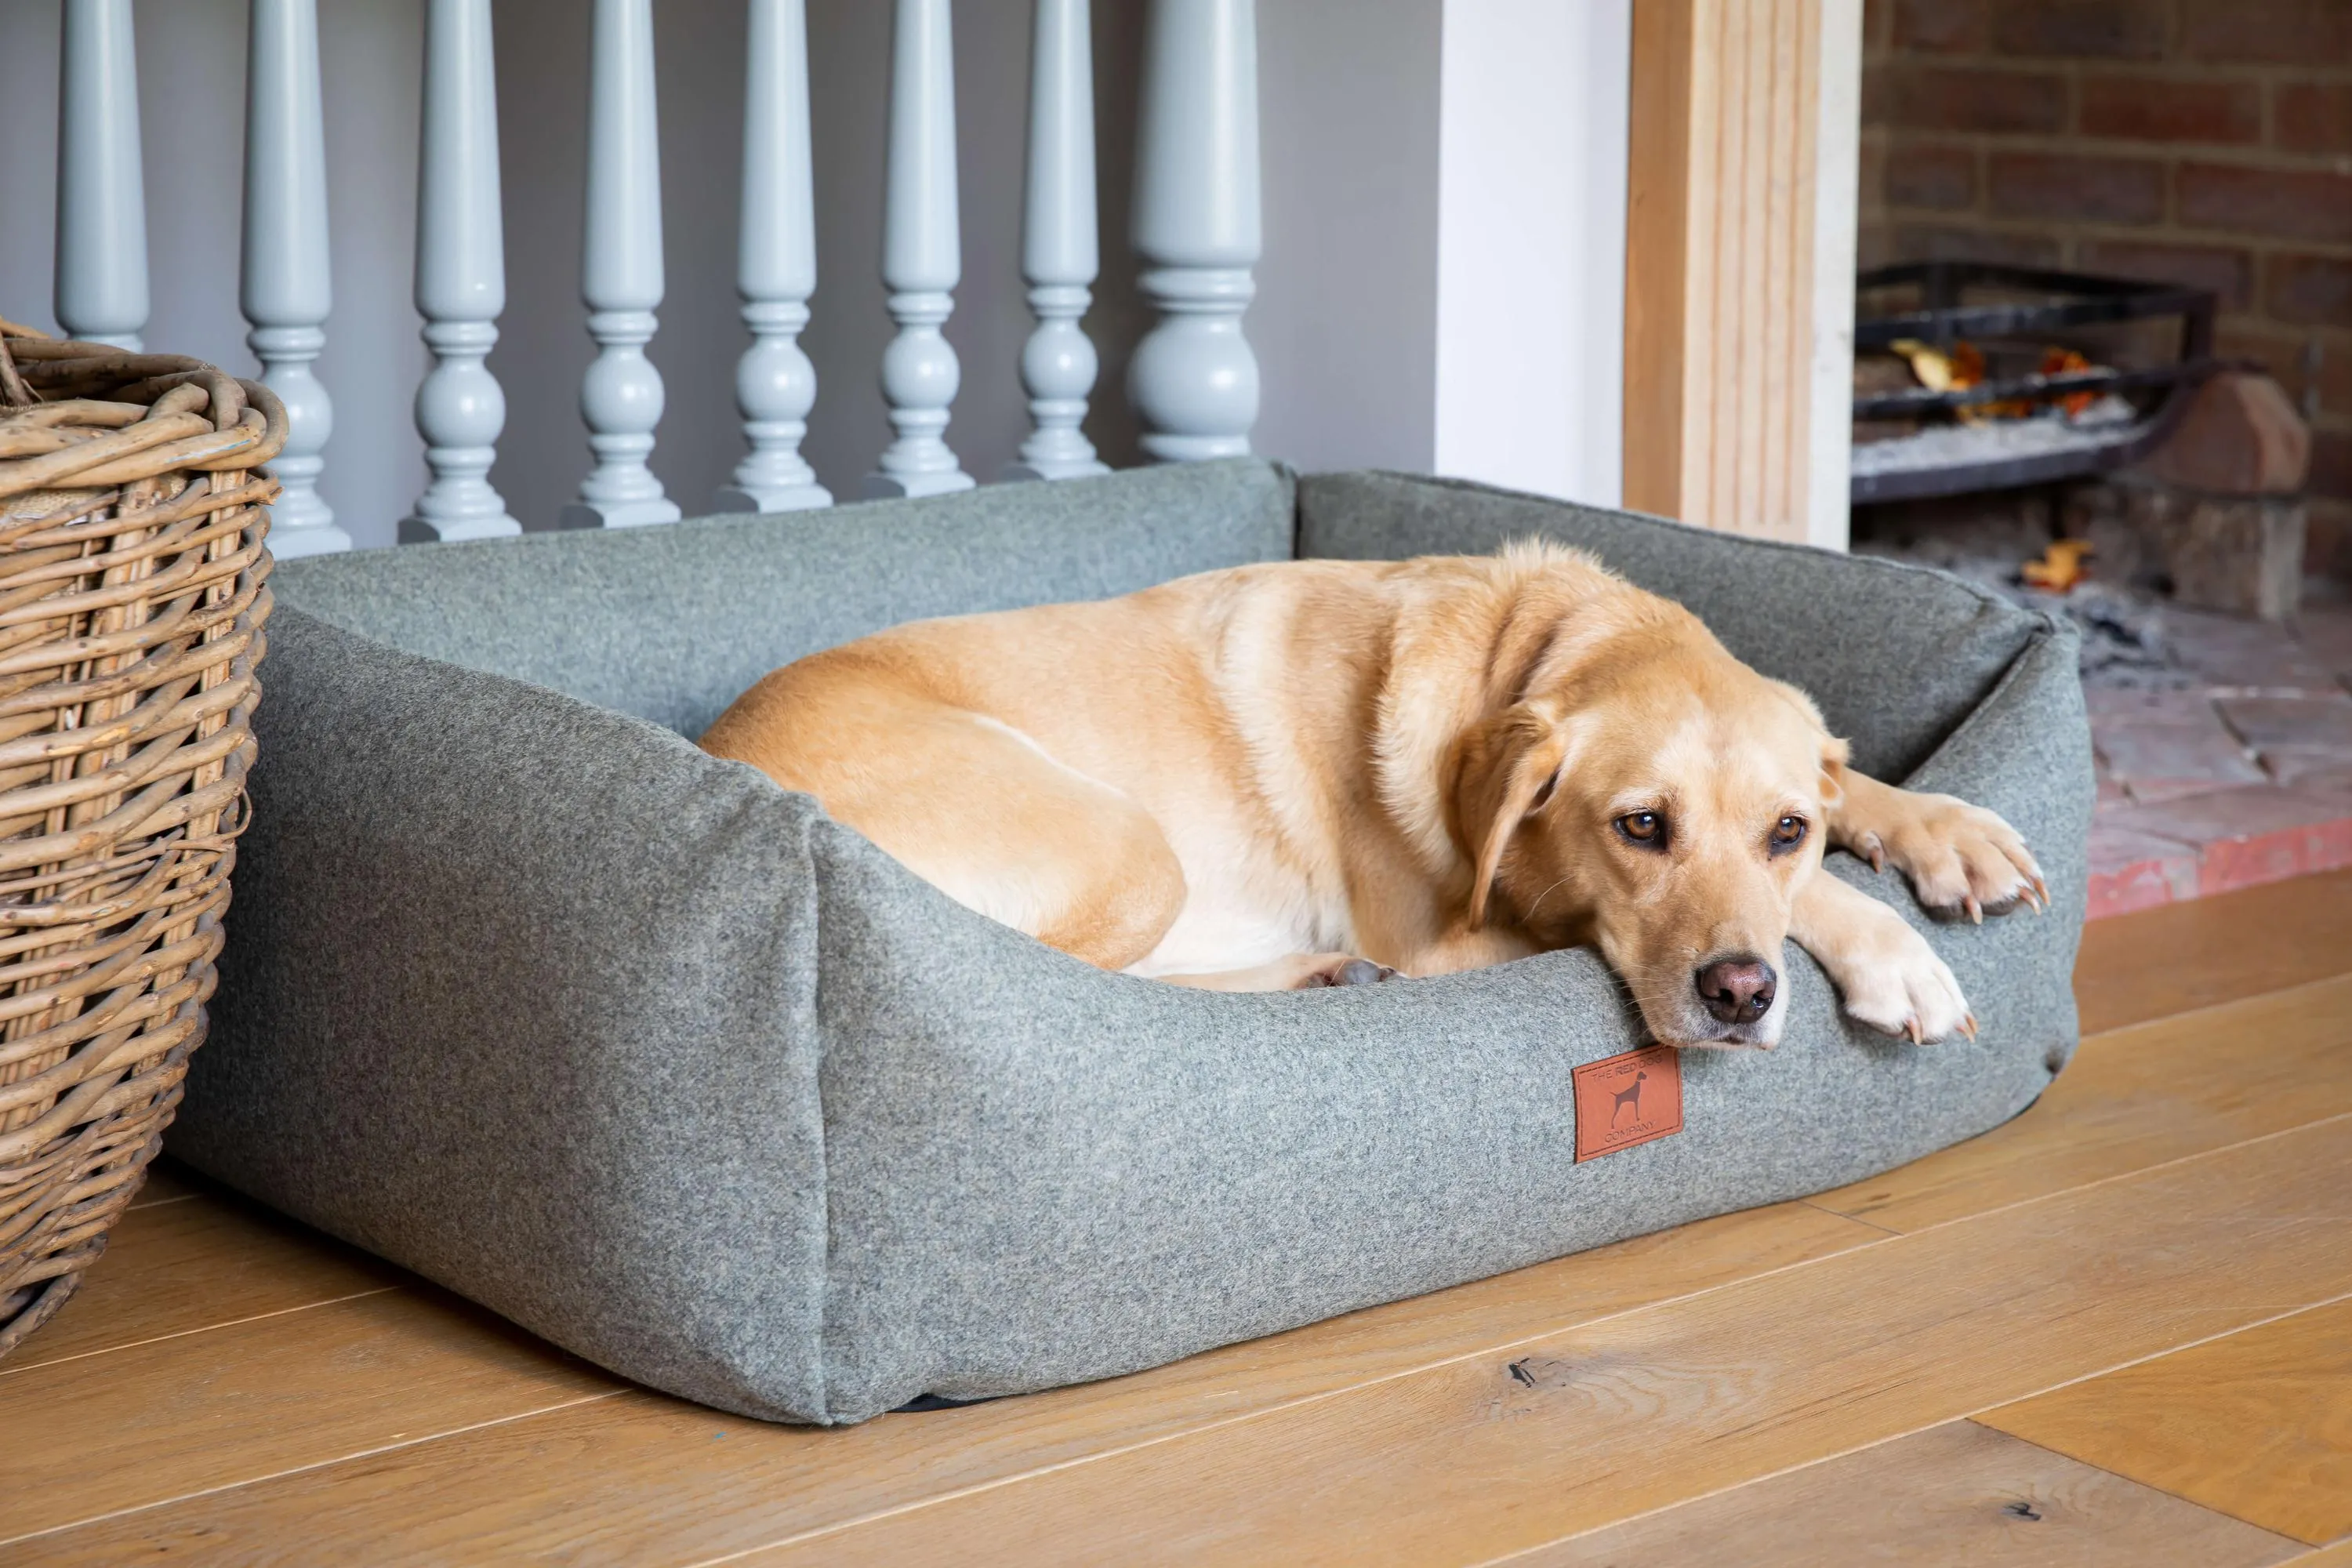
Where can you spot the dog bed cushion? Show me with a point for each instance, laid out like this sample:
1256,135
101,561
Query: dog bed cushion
524,992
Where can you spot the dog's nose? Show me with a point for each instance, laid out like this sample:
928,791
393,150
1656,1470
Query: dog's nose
1736,990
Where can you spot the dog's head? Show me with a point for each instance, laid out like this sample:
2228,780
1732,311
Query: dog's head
1649,795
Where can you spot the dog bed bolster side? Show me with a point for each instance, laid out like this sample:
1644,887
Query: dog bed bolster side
518,992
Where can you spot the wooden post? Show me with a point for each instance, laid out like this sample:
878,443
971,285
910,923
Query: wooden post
1059,252
1193,378
287,291
775,384
921,255
1738,252
461,278
620,274
101,291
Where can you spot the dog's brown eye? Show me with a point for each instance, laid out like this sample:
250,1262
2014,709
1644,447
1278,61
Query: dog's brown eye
1643,828
1788,833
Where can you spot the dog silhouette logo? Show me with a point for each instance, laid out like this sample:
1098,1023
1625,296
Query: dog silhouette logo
1626,1100
1631,1095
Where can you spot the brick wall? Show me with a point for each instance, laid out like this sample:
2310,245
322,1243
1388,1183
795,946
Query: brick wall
2205,141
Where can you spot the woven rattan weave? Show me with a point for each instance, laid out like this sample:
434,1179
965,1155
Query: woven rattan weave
131,601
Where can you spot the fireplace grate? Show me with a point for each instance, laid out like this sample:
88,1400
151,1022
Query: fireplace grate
2005,312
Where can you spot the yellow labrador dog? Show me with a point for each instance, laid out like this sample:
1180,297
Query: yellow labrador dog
1319,772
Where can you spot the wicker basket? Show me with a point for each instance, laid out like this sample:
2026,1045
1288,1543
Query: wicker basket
132,599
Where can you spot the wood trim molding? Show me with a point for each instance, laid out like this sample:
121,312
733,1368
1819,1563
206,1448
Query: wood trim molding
1739,200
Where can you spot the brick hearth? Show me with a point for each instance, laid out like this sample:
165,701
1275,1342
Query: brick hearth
2244,776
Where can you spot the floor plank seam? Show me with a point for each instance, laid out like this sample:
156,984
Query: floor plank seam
1946,1421
1854,1218
978,1487
2099,1182
159,1203
2151,1486
205,1328
2227,1004
321,1465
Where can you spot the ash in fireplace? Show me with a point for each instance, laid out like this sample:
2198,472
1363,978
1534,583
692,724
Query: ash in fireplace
2123,641
2109,422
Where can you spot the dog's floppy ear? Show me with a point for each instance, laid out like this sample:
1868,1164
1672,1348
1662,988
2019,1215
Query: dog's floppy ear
1508,768
1834,753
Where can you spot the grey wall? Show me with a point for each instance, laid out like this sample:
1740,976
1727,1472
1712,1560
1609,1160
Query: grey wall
1344,323
191,90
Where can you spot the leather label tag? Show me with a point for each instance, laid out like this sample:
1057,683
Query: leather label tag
1628,1100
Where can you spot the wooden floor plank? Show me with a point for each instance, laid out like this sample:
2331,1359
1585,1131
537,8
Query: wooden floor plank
177,1268
137,1426
2135,1096
167,1182
2258,1425
647,1480
2183,956
1955,1495
1508,1450
2336,1556
639,1478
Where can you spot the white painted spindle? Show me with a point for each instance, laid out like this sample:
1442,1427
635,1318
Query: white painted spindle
620,274
101,256
921,255
1059,248
461,278
286,293
775,265
1193,378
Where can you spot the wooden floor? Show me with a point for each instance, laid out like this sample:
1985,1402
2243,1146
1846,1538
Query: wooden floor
2116,1330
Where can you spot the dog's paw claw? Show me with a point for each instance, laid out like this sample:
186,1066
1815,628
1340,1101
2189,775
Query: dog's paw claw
1894,982
1969,1026
1875,850
1974,909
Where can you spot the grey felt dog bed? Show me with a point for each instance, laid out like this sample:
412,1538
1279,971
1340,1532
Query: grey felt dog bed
526,993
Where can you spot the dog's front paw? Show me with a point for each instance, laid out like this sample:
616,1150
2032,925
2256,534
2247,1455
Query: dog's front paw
1961,859
1892,981
1316,970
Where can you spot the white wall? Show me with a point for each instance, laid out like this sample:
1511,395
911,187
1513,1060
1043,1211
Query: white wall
1531,245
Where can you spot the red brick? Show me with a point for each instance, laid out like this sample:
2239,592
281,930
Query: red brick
1940,177
1940,26
2274,32
2255,833
1878,95
1929,242
2228,273
2159,109
1870,179
2294,204
2137,871
1950,99
2157,760
2335,374
2241,436
2073,189
2314,118
2235,337
2088,29
2314,291
2331,463
2301,724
